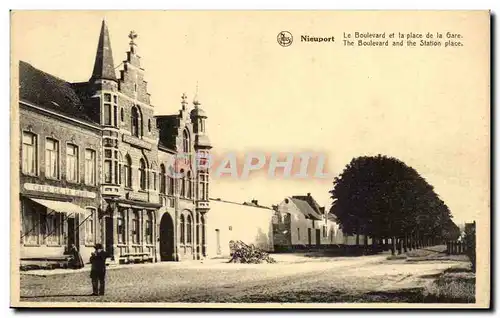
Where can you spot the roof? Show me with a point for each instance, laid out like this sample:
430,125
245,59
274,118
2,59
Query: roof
50,92
104,67
306,209
310,200
249,204
331,217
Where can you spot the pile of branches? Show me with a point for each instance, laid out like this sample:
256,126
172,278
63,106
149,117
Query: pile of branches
248,254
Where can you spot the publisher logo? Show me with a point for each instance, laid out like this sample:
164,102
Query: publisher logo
285,38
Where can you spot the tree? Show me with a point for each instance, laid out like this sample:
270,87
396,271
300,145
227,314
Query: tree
382,197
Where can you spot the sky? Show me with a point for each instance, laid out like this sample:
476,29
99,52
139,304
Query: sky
429,107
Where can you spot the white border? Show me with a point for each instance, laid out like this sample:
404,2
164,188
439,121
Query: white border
494,5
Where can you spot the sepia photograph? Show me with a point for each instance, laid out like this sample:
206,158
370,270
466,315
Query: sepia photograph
250,159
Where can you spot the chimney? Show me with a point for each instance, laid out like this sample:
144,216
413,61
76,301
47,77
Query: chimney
255,202
309,194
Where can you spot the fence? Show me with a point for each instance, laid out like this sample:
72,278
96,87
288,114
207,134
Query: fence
456,248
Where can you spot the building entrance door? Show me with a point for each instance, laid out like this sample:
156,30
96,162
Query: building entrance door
318,237
108,221
166,238
309,236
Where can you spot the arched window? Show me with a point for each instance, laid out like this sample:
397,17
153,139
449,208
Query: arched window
162,179
185,141
127,169
142,174
183,184
183,224
190,185
136,122
189,229
153,183
170,185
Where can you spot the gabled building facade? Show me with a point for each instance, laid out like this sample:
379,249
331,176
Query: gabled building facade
300,222
148,201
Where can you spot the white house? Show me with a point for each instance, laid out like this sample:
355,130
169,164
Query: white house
299,221
247,222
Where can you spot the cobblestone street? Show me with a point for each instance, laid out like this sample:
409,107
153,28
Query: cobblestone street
222,282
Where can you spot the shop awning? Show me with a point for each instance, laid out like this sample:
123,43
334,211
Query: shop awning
61,206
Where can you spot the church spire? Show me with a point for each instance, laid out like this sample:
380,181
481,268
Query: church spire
104,68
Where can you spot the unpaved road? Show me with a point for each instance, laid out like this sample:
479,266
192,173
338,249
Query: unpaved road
293,279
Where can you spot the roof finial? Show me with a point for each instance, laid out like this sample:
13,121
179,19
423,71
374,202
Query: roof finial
132,36
184,102
195,99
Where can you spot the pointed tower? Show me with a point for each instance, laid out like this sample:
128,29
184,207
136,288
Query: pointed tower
103,85
104,68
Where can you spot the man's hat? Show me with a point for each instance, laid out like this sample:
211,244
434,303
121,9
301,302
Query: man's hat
98,246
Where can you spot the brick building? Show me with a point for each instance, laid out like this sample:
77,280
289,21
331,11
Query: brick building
147,201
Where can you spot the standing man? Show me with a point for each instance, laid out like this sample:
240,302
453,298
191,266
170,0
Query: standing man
98,270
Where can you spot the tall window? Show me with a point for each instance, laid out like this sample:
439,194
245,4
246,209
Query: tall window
136,122
31,223
90,227
115,110
153,183
72,163
183,224
171,185
149,228
189,185
90,166
142,174
203,186
127,169
52,158
189,229
108,171
52,228
135,227
162,179
154,180
185,141
120,168
29,153
115,115
107,109
183,184
121,227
